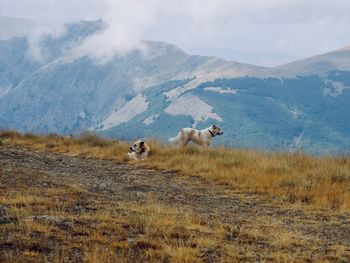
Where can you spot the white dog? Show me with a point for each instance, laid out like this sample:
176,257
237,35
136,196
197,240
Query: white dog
138,151
200,137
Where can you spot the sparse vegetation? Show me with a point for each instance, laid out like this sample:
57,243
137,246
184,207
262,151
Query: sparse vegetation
49,229
46,216
292,177
69,224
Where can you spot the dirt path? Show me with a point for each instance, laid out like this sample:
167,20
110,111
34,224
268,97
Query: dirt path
321,232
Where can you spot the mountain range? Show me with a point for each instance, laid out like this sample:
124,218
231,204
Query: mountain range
267,58
153,91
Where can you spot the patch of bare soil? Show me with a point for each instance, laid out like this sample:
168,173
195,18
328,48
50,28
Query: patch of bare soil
258,227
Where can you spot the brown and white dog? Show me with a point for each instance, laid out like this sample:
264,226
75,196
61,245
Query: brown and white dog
200,137
138,150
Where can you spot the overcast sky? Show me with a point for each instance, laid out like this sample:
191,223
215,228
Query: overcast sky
295,27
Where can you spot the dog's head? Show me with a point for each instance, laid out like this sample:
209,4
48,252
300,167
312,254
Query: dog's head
139,147
215,130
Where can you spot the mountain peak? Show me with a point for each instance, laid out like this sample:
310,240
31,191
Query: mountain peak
161,47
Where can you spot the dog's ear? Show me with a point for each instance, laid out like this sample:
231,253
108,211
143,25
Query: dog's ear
142,143
214,127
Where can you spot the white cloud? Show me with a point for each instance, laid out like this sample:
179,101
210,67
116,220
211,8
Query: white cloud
295,27
126,22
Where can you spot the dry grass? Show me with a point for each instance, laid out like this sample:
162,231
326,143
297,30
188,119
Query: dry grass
122,232
62,222
131,232
295,178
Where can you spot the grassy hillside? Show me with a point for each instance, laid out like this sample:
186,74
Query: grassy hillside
308,114
149,232
297,179
65,199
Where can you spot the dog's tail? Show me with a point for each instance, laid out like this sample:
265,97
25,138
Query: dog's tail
173,140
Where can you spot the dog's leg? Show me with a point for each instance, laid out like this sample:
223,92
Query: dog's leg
184,138
132,156
184,142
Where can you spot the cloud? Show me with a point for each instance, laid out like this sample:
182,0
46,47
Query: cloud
126,24
127,21
295,27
